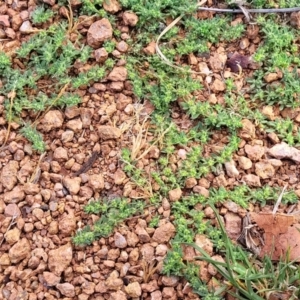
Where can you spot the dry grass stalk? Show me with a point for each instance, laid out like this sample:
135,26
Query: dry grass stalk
168,28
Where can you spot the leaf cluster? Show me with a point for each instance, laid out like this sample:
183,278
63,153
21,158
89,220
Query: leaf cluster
112,213
41,15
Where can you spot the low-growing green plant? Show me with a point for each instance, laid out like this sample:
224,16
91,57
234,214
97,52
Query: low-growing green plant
112,213
154,222
109,46
48,56
41,15
248,278
4,62
35,137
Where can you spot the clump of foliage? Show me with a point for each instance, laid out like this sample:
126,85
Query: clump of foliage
41,15
190,221
112,213
48,57
248,278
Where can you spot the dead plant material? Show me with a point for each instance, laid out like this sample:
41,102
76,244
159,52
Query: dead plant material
271,233
149,268
62,91
281,234
11,224
37,171
11,96
88,164
237,62
139,139
168,28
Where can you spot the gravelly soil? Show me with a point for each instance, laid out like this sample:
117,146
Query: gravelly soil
42,196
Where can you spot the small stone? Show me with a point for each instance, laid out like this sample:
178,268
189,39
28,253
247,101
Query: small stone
12,210
275,162
233,225
113,282
74,125
268,111
209,213
96,182
19,251
142,234
59,259
52,120
119,295
4,20
67,136
109,132
88,288
220,181
119,177
156,295
8,176
252,180
101,55
72,112
4,260
147,252
53,227
150,49
133,290
203,242
271,77
211,269
273,137
175,195
132,239
201,190
66,289
118,74
120,240
130,18
31,188
190,182
12,236
28,227
283,150
182,154
122,46
164,233
231,206
264,170
60,154
150,286
244,162
255,152
204,183
203,68
72,184
231,169
169,293
67,224
192,59
218,86
99,32
111,6
26,27
170,280
14,196
295,19
51,279
248,130
244,43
